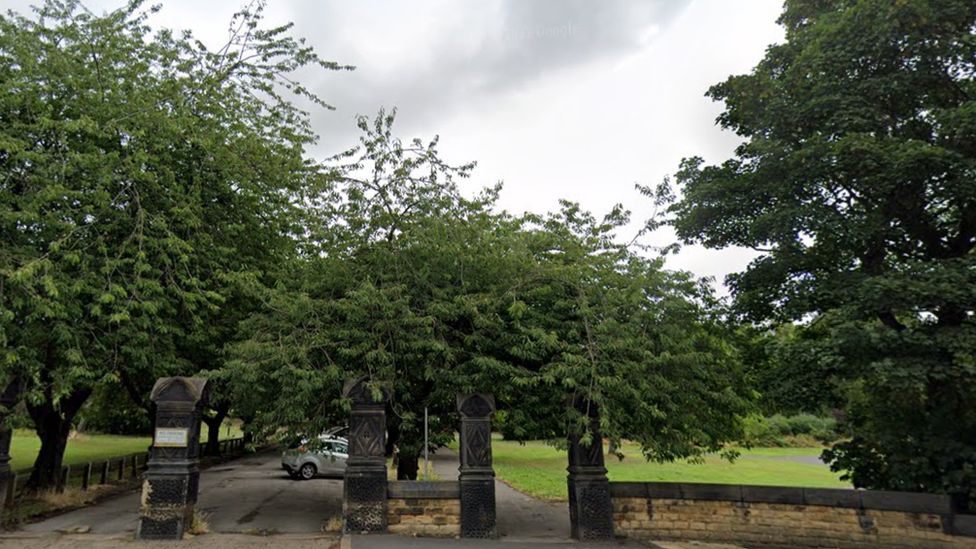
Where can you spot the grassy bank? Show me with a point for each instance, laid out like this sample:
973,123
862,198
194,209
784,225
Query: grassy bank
540,470
83,448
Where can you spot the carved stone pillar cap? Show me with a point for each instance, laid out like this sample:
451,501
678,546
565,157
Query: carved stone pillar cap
476,404
191,390
356,390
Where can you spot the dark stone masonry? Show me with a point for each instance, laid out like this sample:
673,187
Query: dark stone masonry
169,492
364,489
477,477
590,507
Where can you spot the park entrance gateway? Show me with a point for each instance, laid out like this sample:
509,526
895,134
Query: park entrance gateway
371,502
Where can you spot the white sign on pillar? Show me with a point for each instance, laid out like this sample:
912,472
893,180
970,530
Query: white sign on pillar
171,438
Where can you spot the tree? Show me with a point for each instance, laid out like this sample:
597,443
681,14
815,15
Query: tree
145,179
396,264
411,284
592,322
857,184
793,368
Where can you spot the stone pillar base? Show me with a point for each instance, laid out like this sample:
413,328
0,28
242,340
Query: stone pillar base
478,507
168,500
590,507
364,500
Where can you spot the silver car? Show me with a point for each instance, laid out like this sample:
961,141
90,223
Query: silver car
327,456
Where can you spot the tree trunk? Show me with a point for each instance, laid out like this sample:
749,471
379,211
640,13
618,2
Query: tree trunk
407,467
248,429
392,433
53,425
136,393
213,426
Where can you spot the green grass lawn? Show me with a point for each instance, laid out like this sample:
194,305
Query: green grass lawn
540,470
24,446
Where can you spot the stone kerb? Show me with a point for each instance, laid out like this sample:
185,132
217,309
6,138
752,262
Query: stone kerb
768,516
169,491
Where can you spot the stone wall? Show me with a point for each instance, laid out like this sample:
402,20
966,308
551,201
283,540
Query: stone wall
424,508
763,516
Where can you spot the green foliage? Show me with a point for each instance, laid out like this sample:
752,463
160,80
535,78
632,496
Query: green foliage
793,368
390,277
801,430
109,411
856,184
596,321
159,217
406,281
144,180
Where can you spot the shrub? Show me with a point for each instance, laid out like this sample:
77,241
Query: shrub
798,430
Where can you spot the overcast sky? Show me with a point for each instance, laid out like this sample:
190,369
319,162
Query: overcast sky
576,99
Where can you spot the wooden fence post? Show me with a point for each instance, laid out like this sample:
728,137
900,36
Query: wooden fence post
121,469
8,497
63,481
135,466
103,478
86,476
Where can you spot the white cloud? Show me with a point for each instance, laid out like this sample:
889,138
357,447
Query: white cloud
558,98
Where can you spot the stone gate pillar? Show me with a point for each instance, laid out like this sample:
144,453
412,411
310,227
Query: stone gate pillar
590,508
9,398
169,491
364,486
477,477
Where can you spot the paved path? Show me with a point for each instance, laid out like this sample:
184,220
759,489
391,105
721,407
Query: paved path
252,496
297,541
523,522
209,541
400,542
806,460
248,495
519,516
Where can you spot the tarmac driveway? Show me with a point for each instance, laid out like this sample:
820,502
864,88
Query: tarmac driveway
249,495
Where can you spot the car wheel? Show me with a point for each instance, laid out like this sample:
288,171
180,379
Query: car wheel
307,471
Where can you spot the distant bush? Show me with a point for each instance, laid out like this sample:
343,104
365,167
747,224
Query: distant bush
798,430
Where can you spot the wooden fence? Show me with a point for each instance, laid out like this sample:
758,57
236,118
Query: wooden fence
111,470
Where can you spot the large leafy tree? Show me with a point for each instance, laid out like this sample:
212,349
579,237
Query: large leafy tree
856,182
410,283
396,271
145,182
594,323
